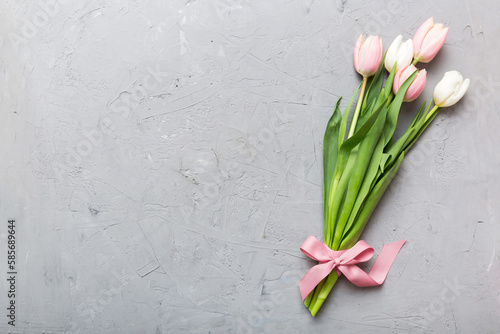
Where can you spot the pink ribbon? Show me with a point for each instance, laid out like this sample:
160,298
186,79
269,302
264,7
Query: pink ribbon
344,262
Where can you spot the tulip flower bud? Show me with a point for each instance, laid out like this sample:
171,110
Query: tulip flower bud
399,52
428,40
450,89
417,85
367,55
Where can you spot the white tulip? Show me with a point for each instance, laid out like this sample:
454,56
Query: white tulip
399,52
450,89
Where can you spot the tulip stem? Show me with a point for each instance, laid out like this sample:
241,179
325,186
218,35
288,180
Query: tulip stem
358,108
433,110
416,61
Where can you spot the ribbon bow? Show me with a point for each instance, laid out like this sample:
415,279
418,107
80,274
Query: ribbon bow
344,262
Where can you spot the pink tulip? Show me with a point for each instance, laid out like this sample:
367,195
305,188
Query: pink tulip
416,87
367,55
428,40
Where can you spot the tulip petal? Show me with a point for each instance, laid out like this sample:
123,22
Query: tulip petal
399,53
406,53
367,55
433,43
357,47
458,94
364,55
416,87
450,89
402,75
444,88
396,83
374,56
418,39
391,56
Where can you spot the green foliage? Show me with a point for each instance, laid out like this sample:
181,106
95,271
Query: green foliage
358,170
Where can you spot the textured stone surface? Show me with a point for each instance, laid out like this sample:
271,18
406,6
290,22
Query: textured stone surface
163,162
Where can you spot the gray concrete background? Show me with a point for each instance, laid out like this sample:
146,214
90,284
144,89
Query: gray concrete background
163,162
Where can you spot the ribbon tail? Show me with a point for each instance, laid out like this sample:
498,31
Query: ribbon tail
385,260
312,278
380,268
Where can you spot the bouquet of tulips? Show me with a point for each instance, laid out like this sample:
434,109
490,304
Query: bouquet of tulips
361,160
